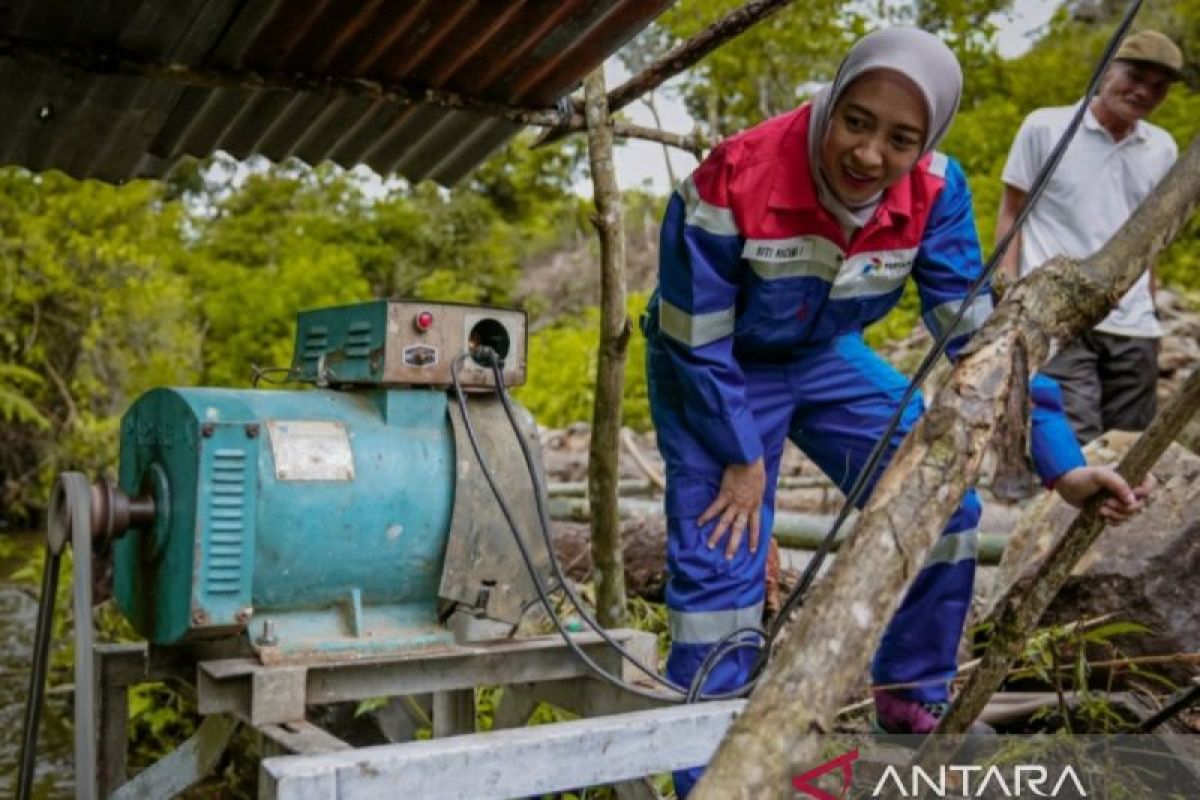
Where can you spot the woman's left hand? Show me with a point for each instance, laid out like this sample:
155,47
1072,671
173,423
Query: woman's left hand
737,506
1081,483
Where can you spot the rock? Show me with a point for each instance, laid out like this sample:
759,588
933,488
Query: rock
1143,570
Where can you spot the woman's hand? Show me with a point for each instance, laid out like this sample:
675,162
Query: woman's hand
1081,483
738,504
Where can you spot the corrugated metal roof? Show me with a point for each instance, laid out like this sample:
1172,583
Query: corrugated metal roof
114,127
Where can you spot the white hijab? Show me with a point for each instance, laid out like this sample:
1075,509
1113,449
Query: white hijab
918,55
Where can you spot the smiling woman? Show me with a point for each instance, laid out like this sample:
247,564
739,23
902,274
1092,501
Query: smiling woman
776,252
874,137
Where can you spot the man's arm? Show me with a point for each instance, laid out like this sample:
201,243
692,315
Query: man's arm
1010,206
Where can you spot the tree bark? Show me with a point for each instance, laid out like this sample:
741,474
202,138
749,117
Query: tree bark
827,648
1018,613
674,62
688,142
608,567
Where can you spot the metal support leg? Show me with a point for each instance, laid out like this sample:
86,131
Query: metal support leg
118,666
453,712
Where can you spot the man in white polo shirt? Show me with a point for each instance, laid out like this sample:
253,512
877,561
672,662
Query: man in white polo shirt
1113,163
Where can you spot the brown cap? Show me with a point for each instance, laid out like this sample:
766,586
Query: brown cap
1151,47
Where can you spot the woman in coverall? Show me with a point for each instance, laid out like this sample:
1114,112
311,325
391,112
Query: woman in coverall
776,253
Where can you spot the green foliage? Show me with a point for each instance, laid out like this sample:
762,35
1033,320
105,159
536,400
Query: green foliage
562,370
14,405
160,719
93,305
1061,656
768,69
106,292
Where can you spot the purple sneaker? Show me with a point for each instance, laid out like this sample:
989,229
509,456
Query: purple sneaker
896,714
899,715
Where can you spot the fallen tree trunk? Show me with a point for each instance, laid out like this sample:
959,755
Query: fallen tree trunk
639,486
826,650
1018,613
791,530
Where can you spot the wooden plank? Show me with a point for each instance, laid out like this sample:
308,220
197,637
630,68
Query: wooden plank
224,685
513,763
184,766
453,713
302,738
277,695
112,715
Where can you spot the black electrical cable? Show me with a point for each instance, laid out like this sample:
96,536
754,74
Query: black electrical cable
1178,703
544,524
694,691
481,355
867,473
731,642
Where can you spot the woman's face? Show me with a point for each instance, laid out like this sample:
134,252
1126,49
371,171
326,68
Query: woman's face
875,136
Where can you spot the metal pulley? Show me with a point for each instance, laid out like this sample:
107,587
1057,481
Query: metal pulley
86,516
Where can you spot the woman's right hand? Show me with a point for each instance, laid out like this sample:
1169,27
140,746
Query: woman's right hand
738,506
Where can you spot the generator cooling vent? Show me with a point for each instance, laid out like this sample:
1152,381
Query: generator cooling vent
316,342
358,339
226,522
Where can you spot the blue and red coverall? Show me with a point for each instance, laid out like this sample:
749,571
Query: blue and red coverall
755,334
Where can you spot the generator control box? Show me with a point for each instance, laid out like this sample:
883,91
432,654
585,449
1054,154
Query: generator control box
408,343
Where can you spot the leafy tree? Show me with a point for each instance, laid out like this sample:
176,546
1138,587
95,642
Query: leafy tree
93,310
767,70
562,370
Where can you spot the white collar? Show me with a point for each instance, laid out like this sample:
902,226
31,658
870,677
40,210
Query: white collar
1091,123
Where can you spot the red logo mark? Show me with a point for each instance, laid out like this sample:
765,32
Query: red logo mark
804,783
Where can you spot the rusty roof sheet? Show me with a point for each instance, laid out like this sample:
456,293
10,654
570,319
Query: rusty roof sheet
114,127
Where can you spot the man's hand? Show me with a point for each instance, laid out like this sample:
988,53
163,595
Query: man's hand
738,504
1081,483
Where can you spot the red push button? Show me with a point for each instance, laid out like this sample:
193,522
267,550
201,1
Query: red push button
423,321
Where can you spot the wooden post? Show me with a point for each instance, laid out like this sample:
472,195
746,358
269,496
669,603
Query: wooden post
826,650
609,568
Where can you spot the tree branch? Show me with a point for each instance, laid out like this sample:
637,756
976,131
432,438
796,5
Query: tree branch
680,58
693,143
1018,613
688,53
828,647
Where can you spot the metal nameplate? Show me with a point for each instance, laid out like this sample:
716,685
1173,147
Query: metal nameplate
305,450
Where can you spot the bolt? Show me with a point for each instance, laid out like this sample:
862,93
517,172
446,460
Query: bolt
267,638
251,430
208,429
243,615
199,617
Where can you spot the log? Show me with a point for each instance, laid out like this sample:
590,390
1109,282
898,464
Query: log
1017,615
827,648
639,486
792,530
603,462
